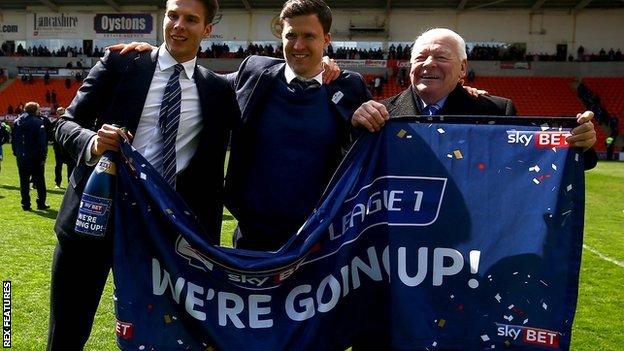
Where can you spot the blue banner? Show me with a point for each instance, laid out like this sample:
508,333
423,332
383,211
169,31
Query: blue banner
430,236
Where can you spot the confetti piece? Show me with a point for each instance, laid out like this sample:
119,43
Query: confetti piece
569,187
544,306
498,297
142,347
434,344
142,164
449,155
553,166
576,157
452,296
180,342
554,149
525,321
167,319
535,169
481,166
508,318
515,273
544,127
484,337
507,343
169,211
441,323
440,130
409,136
493,346
174,318
536,181
458,154
402,133
143,176
510,306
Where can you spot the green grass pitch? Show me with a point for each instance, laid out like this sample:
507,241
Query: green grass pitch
27,243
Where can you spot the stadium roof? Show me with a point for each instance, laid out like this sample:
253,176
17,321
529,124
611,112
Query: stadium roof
460,5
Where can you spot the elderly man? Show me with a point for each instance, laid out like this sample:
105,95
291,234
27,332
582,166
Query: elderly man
439,62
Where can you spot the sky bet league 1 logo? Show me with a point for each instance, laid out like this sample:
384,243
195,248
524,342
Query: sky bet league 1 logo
543,139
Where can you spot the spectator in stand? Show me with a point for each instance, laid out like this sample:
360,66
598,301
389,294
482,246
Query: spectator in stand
10,109
69,65
67,83
46,77
19,109
53,97
48,98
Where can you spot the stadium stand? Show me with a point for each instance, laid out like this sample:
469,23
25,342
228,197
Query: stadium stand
611,92
18,91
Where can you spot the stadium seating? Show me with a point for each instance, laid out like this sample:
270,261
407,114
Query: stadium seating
611,92
18,91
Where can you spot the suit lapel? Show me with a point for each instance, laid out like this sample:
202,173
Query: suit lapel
261,87
140,79
405,104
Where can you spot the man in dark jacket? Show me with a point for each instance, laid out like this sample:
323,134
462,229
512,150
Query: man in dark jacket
439,62
28,140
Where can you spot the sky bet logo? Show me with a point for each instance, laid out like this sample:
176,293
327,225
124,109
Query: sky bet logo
528,335
539,139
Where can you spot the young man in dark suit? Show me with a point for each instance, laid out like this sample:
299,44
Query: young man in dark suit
439,62
293,130
180,115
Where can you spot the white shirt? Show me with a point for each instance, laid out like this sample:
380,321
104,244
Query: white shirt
148,138
290,75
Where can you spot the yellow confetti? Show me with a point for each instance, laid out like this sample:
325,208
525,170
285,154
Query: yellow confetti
210,348
402,133
167,319
441,323
458,154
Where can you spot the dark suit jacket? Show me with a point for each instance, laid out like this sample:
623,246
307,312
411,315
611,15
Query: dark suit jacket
29,140
459,102
114,92
252,83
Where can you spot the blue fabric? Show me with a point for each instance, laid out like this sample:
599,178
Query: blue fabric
429,236
431,110
294,139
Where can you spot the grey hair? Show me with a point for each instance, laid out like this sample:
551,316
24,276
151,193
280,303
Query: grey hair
459,41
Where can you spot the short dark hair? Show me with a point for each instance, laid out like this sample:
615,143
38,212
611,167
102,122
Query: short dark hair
294,8
210,9
31,107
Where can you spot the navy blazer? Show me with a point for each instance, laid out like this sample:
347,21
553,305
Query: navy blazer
460,102
114,92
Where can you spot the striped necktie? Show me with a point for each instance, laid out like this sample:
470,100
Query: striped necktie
431,110
168,121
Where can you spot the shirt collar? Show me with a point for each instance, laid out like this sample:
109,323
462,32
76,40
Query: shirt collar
440,103
290,75
165,61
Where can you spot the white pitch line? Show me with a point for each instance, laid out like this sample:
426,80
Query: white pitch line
603,256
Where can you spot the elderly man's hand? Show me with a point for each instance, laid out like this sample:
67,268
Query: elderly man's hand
584,135
331,71
474,92
370,115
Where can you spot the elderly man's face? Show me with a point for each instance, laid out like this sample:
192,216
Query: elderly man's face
436,67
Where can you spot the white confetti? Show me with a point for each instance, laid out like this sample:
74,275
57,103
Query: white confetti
510,306
508,318
554,149
525,321
180,342
452,296
434,344
498,297
569,187
545,127
409,136
493,346
576,157
535,169
449,155
440,130
553,166
536,181
143,176
142,347
515,273
484,337
142,164
544,306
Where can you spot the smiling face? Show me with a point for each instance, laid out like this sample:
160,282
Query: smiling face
304,41
184,27
436,66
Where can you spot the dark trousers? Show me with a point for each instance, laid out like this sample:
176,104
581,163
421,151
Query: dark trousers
26,170
58,171
79,271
